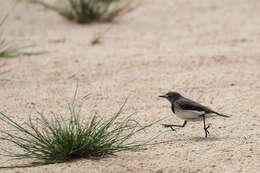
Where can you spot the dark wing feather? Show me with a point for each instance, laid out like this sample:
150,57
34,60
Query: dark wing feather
187,104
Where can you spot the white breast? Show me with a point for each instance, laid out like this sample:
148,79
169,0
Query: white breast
190,115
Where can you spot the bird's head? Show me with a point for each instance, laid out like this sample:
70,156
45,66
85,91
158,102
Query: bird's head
171,96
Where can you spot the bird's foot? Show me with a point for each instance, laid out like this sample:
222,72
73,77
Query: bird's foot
168,126
206,130
208,126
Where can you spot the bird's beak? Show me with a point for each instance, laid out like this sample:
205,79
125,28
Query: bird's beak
163,96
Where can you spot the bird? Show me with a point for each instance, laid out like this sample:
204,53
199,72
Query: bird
189,110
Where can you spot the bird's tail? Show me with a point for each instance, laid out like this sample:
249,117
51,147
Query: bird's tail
222,115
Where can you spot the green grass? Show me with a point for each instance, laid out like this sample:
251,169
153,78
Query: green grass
5,50
86,11
8,49
56,140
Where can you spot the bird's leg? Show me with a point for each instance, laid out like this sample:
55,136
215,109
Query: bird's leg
205,128
172,125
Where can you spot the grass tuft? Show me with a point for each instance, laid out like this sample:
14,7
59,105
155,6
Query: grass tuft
86,11
8,49
58,139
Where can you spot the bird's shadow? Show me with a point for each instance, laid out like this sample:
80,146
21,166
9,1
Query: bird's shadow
202,139
199,139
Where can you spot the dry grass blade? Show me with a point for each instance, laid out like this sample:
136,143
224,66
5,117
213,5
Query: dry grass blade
98,36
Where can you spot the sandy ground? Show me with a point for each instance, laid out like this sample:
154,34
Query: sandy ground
207,50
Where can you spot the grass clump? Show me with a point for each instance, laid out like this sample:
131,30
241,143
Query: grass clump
58,139
8,49
86,11
5,50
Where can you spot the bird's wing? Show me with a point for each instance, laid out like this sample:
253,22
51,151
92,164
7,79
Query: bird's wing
187,104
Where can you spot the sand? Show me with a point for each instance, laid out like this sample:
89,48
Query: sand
207,50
